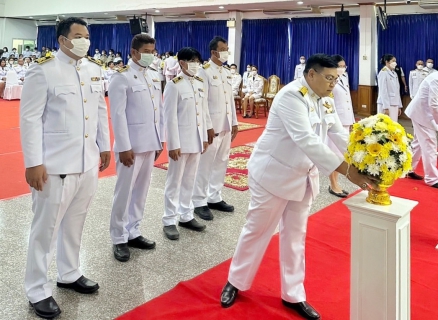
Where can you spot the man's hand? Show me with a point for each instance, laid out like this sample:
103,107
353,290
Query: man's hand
234,131
105,158
399,112
175,154
36,177
210,134
361,180
205,147
127,158
386,111
158,152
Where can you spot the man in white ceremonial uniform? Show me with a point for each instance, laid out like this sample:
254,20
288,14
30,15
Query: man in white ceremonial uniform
21,70
344,109
255,91
107,74
299,68
64,134
236,80
284,180
185,108
170,67
245,79
416,77
429,66
222,126
423,111
388,99
138,124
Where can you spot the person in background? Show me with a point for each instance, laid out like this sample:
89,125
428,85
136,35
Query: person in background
344,109
96,54
416,77
255,90
388,99
429,66
14,52
245,79
107,74
170,66
21,70
11,63
119,65
236,80
299,68
111,56
64,134
103,57
118,57
54,51
27,53
138,125
401,80
185,109
27,62
36,53
3,71
5,54
48,53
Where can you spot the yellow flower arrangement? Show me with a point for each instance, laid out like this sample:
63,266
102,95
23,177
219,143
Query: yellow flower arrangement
380,147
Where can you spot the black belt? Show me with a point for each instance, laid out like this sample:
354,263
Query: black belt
216,134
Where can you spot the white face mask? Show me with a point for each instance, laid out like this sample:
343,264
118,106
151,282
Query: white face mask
254,73
192,68
223,56
302,61
248,69
393,65
80,46
340,71
233,71
146,59
420,67
430,65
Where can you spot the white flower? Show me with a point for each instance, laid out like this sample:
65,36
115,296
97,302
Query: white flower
403,157
395,148
405,139
358,156
371,139
373,169
391,162
368,122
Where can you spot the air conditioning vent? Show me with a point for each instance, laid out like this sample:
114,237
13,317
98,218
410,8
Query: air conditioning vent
428,4
309,9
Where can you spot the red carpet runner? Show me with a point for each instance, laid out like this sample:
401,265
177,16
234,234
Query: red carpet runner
328,272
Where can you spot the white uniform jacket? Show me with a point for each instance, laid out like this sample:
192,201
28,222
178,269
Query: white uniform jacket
64,119
136,110
21,71
185,108
107,74
343,104
285,155
218,87
245,78
423,109
171,66
236,80
389,89
299,71
416,77
256,85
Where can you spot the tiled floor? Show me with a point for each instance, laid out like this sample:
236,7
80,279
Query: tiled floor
147,274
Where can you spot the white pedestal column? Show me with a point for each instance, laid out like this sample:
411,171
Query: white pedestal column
380,259
235,39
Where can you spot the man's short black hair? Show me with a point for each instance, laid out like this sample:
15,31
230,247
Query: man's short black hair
338,58
319,61
64,26
171,54
27,47
233,65
189,53
430,59
215,41
110,62
141,39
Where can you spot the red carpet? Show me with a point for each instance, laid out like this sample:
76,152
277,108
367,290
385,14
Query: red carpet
328,272
11,159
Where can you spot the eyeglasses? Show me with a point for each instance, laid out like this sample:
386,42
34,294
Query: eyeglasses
328,78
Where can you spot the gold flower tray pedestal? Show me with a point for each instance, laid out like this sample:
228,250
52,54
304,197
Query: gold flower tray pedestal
380,197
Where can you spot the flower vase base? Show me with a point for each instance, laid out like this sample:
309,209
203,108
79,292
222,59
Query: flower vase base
379,197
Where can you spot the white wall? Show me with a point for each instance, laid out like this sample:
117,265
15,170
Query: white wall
16,29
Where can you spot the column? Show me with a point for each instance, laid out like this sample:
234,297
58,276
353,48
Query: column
151,24
380,259
368,61
235,38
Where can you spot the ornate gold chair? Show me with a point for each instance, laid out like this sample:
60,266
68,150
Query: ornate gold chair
238,99
262,102
274,86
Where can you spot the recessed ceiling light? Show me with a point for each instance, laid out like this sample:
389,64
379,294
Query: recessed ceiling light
221,7
106,13
300,2
157,11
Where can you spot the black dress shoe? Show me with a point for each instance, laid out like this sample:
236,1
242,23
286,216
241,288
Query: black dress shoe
340,194
414,176
82,285
221,206
171,232
228,296
141,243
345,192
192,225
47,308
304,309
204,213
435,185
121,252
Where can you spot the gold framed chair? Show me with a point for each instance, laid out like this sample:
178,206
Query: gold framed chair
274,86
238,99
262,102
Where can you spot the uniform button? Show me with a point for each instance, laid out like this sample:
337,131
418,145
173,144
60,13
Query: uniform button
86,136
196,103
228,113
82,83
155,121
225,92
223,81
149,85
77,68
197,114
155,109
85,100
198,124
86,117
227,102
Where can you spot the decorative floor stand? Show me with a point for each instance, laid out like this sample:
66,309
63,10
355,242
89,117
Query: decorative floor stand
380,259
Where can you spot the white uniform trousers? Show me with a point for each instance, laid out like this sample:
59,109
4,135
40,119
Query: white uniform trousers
416,152
105,85
59,217
178,191
393,111
428,144
264,213
211,171
333,147
130,197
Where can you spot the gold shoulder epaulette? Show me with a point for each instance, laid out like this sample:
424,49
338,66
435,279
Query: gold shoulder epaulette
331,95
98,62
123,69
384,69
44,59
177,79
303,91
206,66
199,79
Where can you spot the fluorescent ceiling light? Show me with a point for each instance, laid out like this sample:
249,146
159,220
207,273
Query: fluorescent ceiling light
221,7
157,11
300,2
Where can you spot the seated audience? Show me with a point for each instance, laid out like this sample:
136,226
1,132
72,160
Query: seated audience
104,57
5,54
20,69
96,54
27,62
236,80
118,57
27,53
255,90
3,71
245,78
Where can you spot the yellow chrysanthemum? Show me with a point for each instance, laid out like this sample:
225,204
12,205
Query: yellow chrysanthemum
369,159
367,131
381,126
384,152
358,135
374,149
396,138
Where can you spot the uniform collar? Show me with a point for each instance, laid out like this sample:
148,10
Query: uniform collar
311,93
182,74
135,66
215,65
61,56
